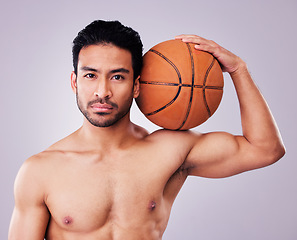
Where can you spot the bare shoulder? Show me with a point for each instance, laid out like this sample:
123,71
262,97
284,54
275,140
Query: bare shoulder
190,138
175,137
30,182
36,166
34,163
178,143
39,167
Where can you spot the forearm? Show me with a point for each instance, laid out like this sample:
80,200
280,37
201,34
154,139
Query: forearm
258,124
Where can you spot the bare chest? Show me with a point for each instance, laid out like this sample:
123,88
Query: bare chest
86,197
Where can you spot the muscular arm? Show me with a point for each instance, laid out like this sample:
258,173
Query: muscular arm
30,216
222,154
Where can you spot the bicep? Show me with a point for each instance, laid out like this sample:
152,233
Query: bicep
30,216
28,223
221,154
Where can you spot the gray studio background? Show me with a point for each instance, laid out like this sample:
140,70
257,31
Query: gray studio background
39,108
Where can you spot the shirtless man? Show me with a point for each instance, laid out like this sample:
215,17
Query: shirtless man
111,179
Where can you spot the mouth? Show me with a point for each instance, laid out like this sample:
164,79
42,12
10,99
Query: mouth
99,107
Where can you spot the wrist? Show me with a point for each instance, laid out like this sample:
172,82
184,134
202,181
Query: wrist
240,69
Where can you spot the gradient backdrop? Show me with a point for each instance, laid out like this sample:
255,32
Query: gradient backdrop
39,108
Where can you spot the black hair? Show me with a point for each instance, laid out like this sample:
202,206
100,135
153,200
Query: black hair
109,32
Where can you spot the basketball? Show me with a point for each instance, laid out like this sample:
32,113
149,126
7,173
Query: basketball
180,87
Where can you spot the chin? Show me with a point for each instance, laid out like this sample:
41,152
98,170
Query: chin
104,123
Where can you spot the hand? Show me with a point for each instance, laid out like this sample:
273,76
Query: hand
229,62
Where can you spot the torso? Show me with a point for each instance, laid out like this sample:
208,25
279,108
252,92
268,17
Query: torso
122,194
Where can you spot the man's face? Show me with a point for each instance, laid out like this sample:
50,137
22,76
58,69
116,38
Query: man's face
104,84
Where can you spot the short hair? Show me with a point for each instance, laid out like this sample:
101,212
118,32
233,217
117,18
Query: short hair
109,32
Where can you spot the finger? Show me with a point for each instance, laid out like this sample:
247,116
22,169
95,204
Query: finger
186,36
204,47
212,48
200,43
179,36
195,40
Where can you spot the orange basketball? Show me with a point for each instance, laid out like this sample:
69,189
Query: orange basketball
180,87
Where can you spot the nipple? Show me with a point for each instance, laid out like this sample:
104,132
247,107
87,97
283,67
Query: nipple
152,205
67,220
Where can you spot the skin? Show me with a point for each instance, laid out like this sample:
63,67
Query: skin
119,182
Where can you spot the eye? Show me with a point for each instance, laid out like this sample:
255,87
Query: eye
90,75
118,77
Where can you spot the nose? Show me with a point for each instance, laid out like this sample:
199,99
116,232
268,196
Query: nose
103,90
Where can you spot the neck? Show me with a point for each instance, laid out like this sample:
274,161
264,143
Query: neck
113,136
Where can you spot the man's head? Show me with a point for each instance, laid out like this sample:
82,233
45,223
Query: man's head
107,59
109,32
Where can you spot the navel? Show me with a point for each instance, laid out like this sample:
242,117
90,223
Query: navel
152,205
67,220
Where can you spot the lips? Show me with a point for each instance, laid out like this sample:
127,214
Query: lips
98,107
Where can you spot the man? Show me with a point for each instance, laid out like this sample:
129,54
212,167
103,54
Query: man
111,179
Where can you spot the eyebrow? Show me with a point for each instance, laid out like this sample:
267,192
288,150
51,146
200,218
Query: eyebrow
120,70
117,70
85,68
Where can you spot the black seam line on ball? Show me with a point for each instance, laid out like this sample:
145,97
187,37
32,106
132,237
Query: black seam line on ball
192,87
179,85
204,83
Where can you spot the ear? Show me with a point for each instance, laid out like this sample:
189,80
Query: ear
136,87
73,82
